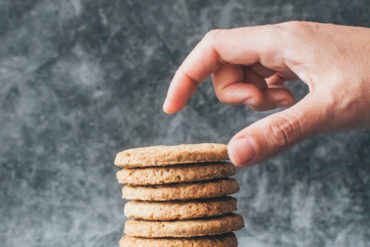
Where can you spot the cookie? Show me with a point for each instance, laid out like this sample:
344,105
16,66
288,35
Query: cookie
170,155
185,191
226,240
184,228
175,173
180,210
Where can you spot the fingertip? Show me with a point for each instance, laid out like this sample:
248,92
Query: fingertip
168,109
241,151
165,110
165,107
169,105
181,89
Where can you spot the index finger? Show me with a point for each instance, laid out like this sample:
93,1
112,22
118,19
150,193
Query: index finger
244,46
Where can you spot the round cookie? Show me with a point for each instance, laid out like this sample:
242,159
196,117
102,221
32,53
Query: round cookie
184,228
185,191
180,210
175,173
226,240
170,155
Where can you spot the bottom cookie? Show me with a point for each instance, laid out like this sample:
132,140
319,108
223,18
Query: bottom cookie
184,228
226,240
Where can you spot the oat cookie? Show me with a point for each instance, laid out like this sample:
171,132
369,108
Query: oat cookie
226,240
184,228
180,210
175,173
169,155
185,191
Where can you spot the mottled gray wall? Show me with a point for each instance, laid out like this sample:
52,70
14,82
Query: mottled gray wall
81,80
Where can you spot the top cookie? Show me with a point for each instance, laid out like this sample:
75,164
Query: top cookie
170,155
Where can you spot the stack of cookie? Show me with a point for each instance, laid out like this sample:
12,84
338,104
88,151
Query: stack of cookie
179,196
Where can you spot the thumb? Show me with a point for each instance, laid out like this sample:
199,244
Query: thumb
275,133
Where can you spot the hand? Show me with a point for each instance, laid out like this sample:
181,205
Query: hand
250,65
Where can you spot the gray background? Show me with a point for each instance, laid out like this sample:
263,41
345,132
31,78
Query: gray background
81,80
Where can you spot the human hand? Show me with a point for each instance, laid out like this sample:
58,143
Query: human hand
249,66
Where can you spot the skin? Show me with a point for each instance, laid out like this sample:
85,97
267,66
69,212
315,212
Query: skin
250,65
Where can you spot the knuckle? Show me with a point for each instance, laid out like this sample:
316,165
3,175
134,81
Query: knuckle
285,131
299,37
178,72
297,26
296,30
294,24
212,34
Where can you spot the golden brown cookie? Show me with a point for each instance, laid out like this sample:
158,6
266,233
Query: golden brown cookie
180,210
185,191
170,155
226,240
175,173
184,228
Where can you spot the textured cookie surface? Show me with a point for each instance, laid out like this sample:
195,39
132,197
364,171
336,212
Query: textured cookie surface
226,240
169,155
184,228
175,173
180,210
185,191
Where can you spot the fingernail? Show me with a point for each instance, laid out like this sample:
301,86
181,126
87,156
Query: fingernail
241,151
284,103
